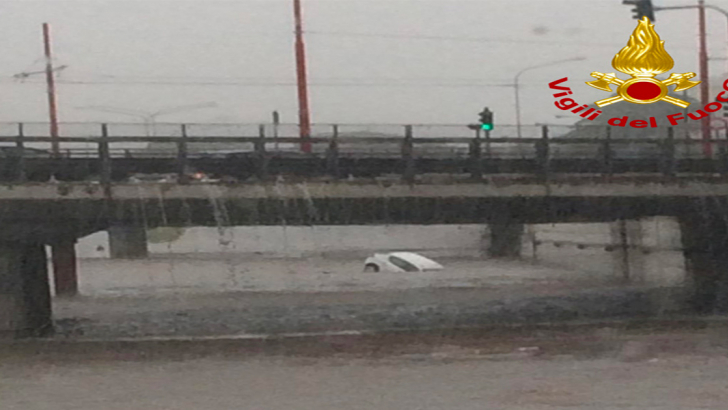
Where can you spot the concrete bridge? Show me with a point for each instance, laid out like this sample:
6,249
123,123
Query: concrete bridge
505,192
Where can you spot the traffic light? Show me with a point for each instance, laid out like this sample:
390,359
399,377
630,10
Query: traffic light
642,8
486,119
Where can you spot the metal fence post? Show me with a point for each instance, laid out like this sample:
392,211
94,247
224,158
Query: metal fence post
20,175
607,155
105,159
261,163
542,152
332,154
488,153
668,154
476,163
723,154
182,167
408,155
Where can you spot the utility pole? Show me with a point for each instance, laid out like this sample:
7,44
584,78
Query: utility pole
50,80
63,251
703,57
704,86
304,120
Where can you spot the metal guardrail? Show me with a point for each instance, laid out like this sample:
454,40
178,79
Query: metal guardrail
475,152
500,146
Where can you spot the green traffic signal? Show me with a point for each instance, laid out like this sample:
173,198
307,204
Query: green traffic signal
486,119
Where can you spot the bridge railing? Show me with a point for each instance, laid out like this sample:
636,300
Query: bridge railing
409,150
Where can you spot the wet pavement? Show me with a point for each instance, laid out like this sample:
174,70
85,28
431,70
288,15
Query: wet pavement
312,334
599,368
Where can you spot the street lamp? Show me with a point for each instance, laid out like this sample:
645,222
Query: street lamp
707,6
149,117
516,88
724,13
51,89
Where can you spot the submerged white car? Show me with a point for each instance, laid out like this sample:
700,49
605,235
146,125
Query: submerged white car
399,262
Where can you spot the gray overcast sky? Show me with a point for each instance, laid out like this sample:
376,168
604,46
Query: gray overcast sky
367,43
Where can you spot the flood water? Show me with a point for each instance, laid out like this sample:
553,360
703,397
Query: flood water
231,281
225,273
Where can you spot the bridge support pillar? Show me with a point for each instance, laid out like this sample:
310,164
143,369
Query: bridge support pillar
705,247
128,242
628,259
646,251
506,236
25,300
65,276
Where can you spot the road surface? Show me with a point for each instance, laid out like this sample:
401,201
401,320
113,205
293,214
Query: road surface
673,371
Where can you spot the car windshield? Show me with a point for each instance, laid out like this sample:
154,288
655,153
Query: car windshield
402,264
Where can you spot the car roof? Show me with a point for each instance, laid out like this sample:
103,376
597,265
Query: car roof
417,260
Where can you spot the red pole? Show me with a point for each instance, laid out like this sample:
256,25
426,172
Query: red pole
51,90
705,83
304,121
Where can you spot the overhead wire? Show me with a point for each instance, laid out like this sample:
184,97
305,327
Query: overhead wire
471,39
267,84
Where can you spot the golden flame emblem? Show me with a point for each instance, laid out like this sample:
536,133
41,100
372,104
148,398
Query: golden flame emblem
644,54
643,58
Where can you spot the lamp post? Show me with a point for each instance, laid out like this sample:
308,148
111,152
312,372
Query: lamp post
517,91
725,14
149,117
703,60
707,6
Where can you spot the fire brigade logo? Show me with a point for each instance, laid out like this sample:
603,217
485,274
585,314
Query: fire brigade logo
643,58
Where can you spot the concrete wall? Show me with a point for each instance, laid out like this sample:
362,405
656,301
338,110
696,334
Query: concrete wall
445,240
93,246
657,258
